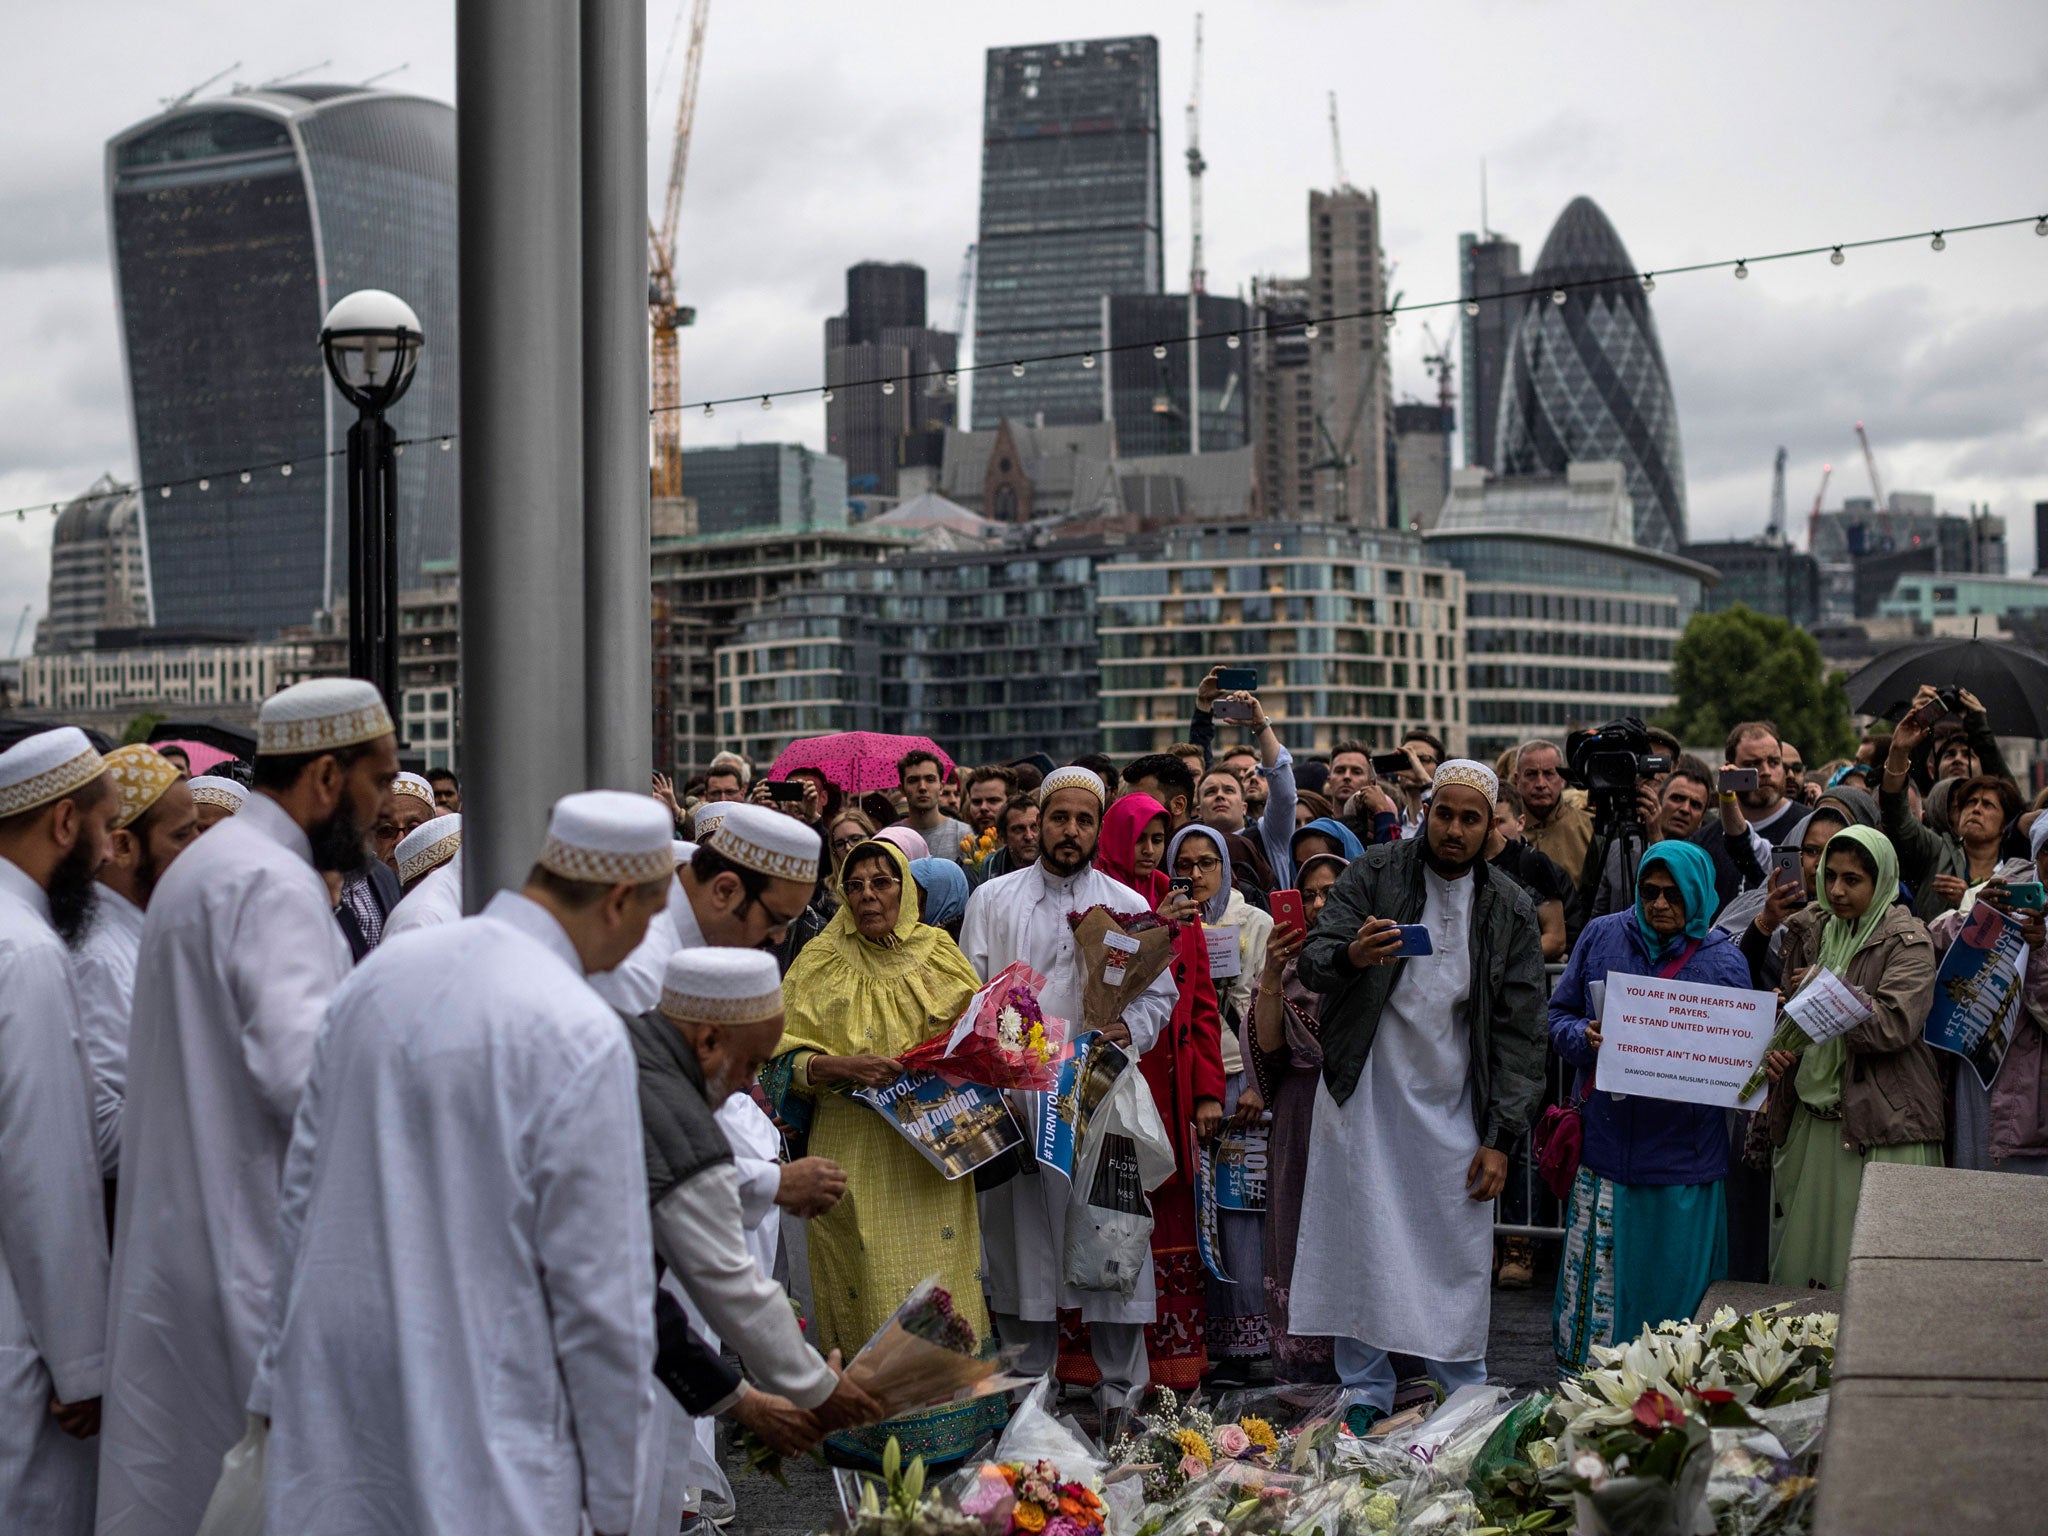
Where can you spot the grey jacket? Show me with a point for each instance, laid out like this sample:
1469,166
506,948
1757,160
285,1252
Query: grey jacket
1505,1011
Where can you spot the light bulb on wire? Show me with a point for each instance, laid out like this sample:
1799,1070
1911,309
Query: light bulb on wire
1835,257
1087,359
1741,269
1311,330
1937,243
1233,341
825,397
1016,370
888,386
767,404
1159,351
1471,306
1649,282
1557,295
708,411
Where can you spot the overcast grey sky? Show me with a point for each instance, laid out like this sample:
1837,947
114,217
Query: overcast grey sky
829,133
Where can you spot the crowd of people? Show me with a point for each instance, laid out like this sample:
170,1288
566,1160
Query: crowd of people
477,1223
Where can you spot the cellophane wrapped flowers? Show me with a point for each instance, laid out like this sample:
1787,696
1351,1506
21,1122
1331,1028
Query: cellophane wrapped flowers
1003,1038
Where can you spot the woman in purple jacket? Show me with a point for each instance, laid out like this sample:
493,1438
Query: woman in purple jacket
1646,1228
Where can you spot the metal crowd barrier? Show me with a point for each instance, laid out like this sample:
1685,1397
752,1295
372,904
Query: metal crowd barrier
1526,1208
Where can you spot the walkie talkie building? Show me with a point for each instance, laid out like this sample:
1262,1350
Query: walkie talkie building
237,221
1585,378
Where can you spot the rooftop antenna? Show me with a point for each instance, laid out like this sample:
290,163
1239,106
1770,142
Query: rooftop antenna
281,79
1337,145
386,74
172,103
1485,230
1197,278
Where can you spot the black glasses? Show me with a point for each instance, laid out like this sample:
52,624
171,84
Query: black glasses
1196,866
1652,894
881,885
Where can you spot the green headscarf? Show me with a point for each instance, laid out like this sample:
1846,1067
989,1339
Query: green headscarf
1839,941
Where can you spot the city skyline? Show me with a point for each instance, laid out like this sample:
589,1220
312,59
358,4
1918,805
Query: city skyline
1698,140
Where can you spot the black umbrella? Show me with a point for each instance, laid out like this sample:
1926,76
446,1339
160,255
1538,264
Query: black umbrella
16,728
2012,682
236,739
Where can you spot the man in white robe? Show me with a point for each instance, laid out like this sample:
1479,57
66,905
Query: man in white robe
430,875
155,821
240,955
463,1328
216,798
1023,916
1432,1067
55,811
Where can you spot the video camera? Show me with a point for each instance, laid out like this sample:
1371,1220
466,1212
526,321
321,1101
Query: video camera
1608,763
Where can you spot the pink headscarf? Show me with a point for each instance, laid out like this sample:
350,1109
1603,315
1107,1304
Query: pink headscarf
909,839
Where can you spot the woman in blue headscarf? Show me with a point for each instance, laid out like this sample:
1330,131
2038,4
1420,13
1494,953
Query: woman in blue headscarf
942,893
1646,1228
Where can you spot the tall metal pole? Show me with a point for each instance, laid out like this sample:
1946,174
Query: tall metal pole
373,555
618,695
519,209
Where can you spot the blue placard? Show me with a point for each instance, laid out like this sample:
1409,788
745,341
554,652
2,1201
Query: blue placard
1977,991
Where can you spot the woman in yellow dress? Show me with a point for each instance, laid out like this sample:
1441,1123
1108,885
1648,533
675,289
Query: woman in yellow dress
875,983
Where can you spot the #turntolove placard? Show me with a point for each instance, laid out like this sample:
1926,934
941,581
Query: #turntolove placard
1682,1040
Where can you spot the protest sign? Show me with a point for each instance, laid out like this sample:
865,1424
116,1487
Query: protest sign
1683,1040
1241,1168
1825,1007
1085,1080
1207,1245
1977,991
957,1126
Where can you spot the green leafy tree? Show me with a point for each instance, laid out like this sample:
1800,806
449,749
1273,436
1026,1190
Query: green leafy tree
139,728
1742,665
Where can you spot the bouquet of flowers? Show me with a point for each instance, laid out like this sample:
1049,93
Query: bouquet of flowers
1120,956
926,1355
1003,1038
975,851
1013,1498
1172,1446
899,1505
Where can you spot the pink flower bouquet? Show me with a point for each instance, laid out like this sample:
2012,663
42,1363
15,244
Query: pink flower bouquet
1003,1039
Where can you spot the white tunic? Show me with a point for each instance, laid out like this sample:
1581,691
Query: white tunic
53,1233
634,984
435,900
103,966
1392,1252
1023,916
465,1335
240,954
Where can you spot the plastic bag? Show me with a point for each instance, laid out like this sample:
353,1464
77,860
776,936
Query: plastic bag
1033,1434
236,1508
1109,1221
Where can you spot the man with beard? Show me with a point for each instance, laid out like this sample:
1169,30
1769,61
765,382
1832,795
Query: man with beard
239,957
154,821
1432,1067
462,1330
55,807
1023,916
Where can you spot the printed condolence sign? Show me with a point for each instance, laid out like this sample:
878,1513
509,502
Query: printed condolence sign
1682,1040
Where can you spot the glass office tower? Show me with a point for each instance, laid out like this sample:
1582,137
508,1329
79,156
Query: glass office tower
237,221
1069,213
1586,380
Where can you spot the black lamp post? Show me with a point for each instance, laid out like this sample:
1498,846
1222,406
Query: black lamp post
371,342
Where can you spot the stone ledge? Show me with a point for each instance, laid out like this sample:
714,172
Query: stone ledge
1746,1297
1945,1319
1950,1213
1938,1459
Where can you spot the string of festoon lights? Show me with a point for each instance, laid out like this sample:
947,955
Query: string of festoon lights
1160,347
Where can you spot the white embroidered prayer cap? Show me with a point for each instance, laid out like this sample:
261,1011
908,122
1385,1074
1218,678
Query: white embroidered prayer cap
707,816
322,714
722,986
428,846
212,789
683,851
1073,778
47,766
605,836
1473,775
140,775
755,837
412,784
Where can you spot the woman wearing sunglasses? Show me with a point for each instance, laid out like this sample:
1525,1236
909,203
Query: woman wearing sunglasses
1646,1228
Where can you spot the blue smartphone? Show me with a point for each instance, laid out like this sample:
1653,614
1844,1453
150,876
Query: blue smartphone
2026,898
1415,940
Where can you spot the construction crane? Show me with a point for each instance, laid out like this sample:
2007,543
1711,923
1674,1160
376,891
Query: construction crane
1775,533
1439,361
1337,146
664,316
1197,278
1813,518
1870,463
966,296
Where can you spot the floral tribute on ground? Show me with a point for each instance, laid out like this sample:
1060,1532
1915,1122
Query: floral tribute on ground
1688,1429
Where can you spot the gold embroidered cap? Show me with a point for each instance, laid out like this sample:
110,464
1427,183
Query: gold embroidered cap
412,784
428,846
755,837
322,714
1463,770
722,986
605,836
140,775
212,789
46,767
1073,778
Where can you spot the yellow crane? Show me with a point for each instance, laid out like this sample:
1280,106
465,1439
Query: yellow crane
664,316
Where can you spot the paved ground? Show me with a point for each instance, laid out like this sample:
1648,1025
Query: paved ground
1518,1355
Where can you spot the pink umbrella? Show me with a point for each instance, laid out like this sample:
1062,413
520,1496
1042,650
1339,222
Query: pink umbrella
202,757
857,761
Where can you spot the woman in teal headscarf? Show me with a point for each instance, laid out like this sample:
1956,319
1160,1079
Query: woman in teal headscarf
1646,1228
1870,1095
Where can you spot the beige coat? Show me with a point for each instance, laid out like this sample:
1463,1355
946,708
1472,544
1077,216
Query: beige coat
1891,1091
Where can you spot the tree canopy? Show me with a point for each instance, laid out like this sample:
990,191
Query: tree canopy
1742,665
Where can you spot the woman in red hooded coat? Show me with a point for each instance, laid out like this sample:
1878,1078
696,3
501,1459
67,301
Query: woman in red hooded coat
1185,1071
